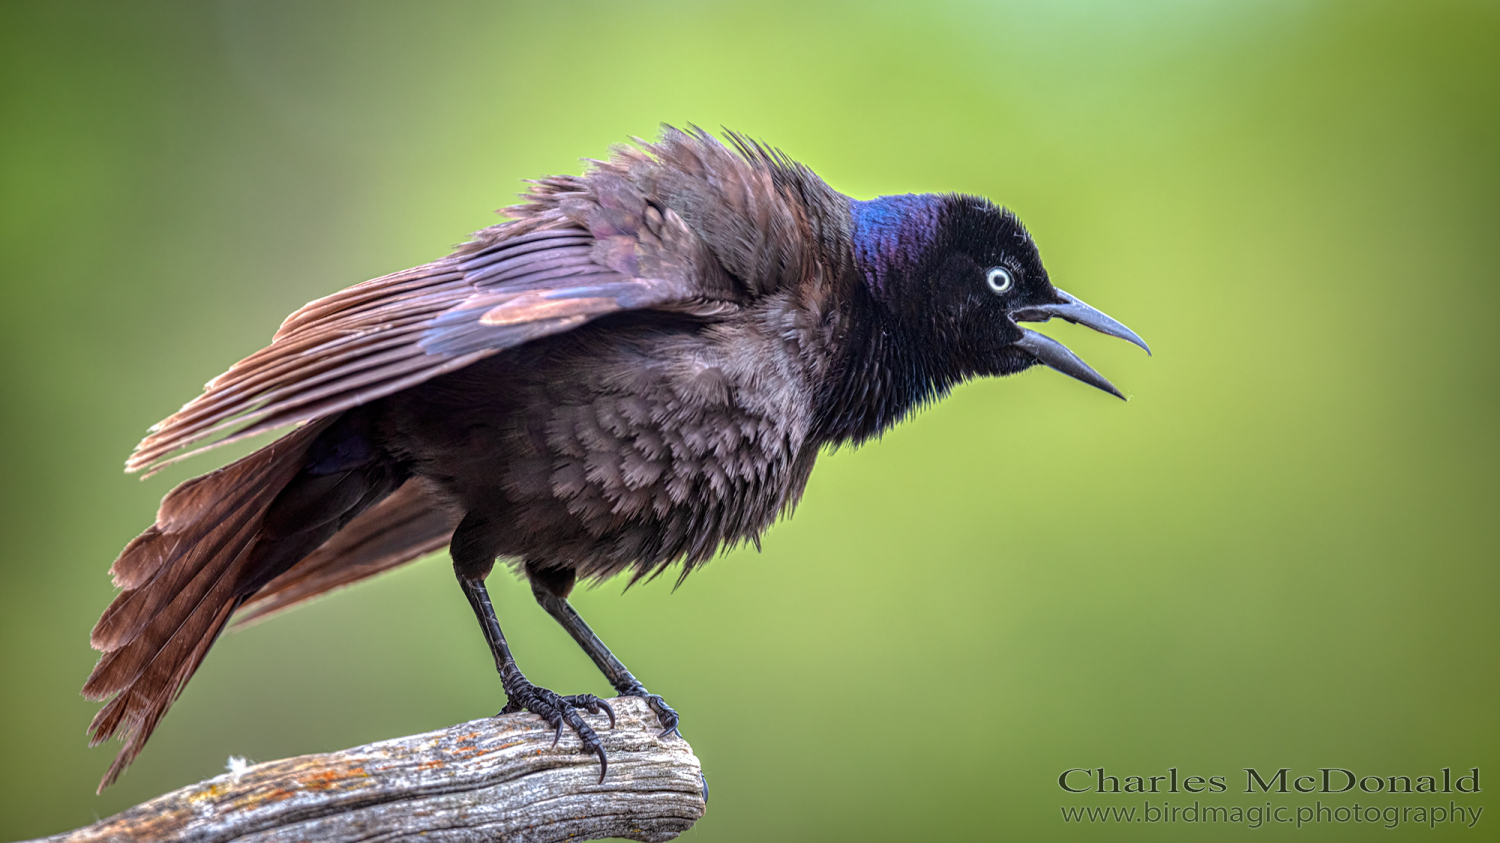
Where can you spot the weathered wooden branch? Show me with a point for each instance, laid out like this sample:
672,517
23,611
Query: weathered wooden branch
491,779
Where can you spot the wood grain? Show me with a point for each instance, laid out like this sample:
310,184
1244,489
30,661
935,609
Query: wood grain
492,779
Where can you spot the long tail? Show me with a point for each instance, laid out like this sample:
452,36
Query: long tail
217,540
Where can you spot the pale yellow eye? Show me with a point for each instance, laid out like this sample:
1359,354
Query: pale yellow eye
1000,279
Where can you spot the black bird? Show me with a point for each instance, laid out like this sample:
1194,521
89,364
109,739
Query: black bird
639,368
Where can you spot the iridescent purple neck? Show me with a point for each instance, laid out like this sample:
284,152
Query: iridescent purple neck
891,233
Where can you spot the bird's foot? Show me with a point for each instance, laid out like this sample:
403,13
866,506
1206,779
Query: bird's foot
558,710
665,714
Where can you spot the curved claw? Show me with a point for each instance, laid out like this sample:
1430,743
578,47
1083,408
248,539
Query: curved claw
603,761
593,705
665,715
668,729
559,711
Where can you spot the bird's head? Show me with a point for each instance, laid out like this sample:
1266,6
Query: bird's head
960,274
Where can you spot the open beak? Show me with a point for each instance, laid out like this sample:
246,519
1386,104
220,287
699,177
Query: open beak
1056,355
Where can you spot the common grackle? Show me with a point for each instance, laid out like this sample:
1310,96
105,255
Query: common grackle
638,368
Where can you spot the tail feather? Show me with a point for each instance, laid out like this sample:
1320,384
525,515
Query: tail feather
212,582
407,524
183,578
139,707
190,559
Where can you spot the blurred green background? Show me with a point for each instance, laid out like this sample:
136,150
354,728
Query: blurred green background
1281,552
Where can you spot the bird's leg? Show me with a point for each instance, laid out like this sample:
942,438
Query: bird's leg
520,693
545,586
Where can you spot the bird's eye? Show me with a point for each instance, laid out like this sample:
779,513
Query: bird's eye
1000,279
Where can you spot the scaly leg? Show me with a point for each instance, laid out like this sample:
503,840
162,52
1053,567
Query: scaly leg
545,586
521,694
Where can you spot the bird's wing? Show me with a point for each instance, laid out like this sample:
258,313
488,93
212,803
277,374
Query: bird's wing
594,247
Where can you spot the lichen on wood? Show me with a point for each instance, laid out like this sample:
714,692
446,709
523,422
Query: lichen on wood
491,779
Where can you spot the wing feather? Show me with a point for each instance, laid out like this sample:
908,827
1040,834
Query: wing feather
681,225
392,333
